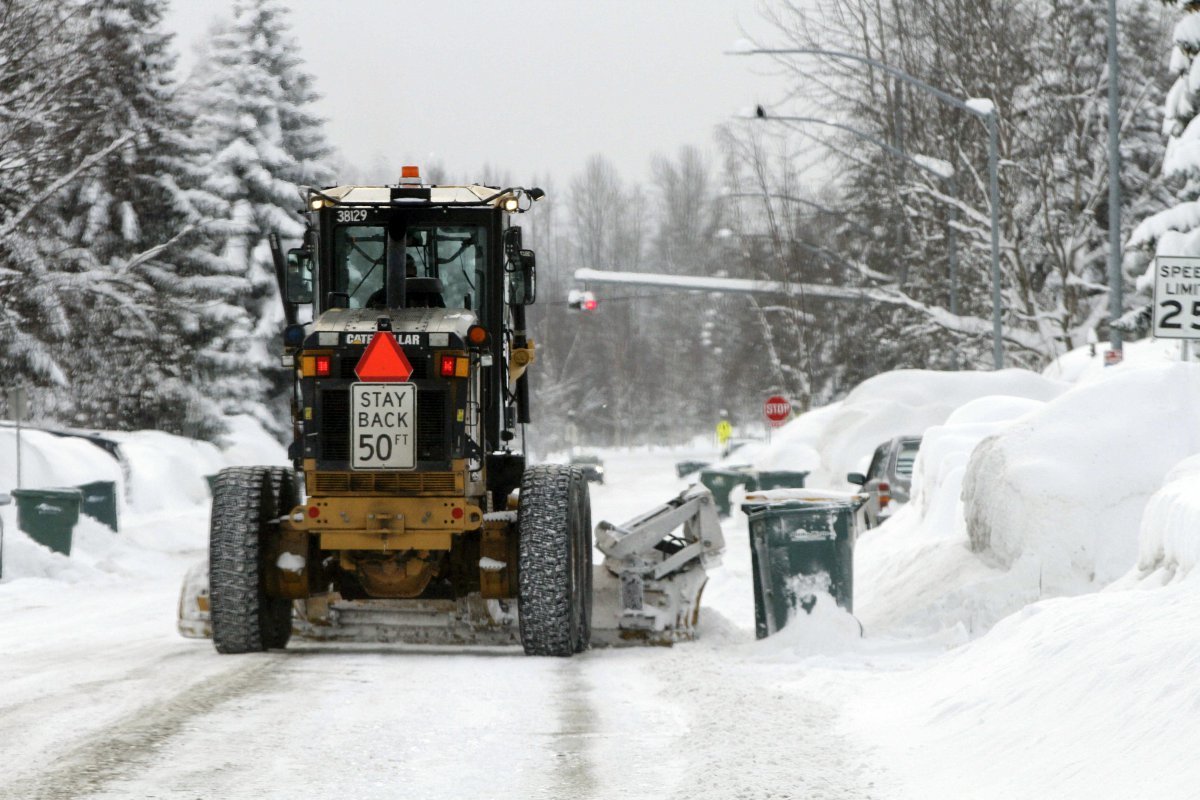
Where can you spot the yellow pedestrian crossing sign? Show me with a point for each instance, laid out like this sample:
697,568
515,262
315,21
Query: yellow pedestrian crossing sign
724,432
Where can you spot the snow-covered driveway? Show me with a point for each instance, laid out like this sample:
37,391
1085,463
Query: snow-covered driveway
99,697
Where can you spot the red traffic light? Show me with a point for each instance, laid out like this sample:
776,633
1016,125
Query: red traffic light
581,301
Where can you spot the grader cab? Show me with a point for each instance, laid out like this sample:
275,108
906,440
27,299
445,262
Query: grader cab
410,513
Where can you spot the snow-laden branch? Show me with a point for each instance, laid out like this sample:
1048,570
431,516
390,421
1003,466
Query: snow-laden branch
31,205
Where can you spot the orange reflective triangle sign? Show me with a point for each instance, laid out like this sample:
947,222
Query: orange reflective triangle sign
383,361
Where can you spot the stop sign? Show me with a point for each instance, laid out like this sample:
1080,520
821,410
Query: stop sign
777,409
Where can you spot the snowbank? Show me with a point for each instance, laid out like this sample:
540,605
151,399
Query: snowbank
916,574
1061,696
159,476
1062,700
1081,365
168,471
48,460
1064,491
1169,539
840,438
1016,500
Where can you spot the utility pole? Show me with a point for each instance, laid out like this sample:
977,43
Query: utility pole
1115,281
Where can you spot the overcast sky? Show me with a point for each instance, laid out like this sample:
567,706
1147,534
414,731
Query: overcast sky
531,87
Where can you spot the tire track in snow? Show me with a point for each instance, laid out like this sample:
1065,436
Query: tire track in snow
111,753
575,774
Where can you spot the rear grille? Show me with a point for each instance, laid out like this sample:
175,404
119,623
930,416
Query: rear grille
396,483
335,425
432,444
420,368
431,425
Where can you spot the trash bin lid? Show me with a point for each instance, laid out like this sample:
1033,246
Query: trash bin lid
48,494
783,500
806,496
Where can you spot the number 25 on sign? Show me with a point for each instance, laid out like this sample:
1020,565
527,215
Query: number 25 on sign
1177,297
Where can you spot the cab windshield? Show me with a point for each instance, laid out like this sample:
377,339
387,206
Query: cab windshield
454,254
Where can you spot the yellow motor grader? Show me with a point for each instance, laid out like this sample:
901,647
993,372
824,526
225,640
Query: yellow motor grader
410,514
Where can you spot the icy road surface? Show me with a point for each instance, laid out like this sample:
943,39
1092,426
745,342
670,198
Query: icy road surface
100,698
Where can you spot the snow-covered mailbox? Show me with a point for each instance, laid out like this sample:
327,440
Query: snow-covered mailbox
801,548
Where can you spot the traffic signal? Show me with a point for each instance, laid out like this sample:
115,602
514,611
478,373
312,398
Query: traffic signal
581,301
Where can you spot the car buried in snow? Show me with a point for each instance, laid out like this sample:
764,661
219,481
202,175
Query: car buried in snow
888,480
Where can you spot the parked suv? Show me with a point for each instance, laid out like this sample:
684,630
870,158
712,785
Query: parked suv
889,478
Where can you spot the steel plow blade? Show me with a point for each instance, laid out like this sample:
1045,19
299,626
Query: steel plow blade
647,591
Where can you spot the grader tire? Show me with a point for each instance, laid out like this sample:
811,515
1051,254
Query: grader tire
554,561
284,488
244,618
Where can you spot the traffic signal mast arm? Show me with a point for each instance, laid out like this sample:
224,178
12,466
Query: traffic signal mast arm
880,294
699,283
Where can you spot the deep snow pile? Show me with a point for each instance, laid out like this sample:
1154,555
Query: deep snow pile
1083,697
1063,491
917,573
1025,487
159,476
1095,493
840,438
1017,501
1169,541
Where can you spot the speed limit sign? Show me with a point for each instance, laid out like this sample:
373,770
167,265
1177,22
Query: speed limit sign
1177,297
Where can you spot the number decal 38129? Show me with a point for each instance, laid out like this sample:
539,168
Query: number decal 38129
351,215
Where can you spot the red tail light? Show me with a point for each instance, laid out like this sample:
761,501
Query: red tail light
885,493
447,368
322,366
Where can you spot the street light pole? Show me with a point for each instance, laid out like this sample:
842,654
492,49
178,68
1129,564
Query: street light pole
994,202
982,109
1115,281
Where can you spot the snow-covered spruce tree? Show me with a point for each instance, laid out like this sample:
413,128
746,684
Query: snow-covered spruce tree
40,83
1176,230
254,105
139,230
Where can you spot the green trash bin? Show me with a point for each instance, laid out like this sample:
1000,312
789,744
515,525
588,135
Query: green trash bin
5,499
100,502
49,515
780,479
798,547
683,468
721,482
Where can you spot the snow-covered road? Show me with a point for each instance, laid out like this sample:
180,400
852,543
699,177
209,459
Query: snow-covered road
100,698
977,677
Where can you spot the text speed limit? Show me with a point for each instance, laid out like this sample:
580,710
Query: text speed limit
382,425
1177,297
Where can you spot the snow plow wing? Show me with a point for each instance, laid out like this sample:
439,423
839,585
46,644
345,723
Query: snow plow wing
648,589
646,592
